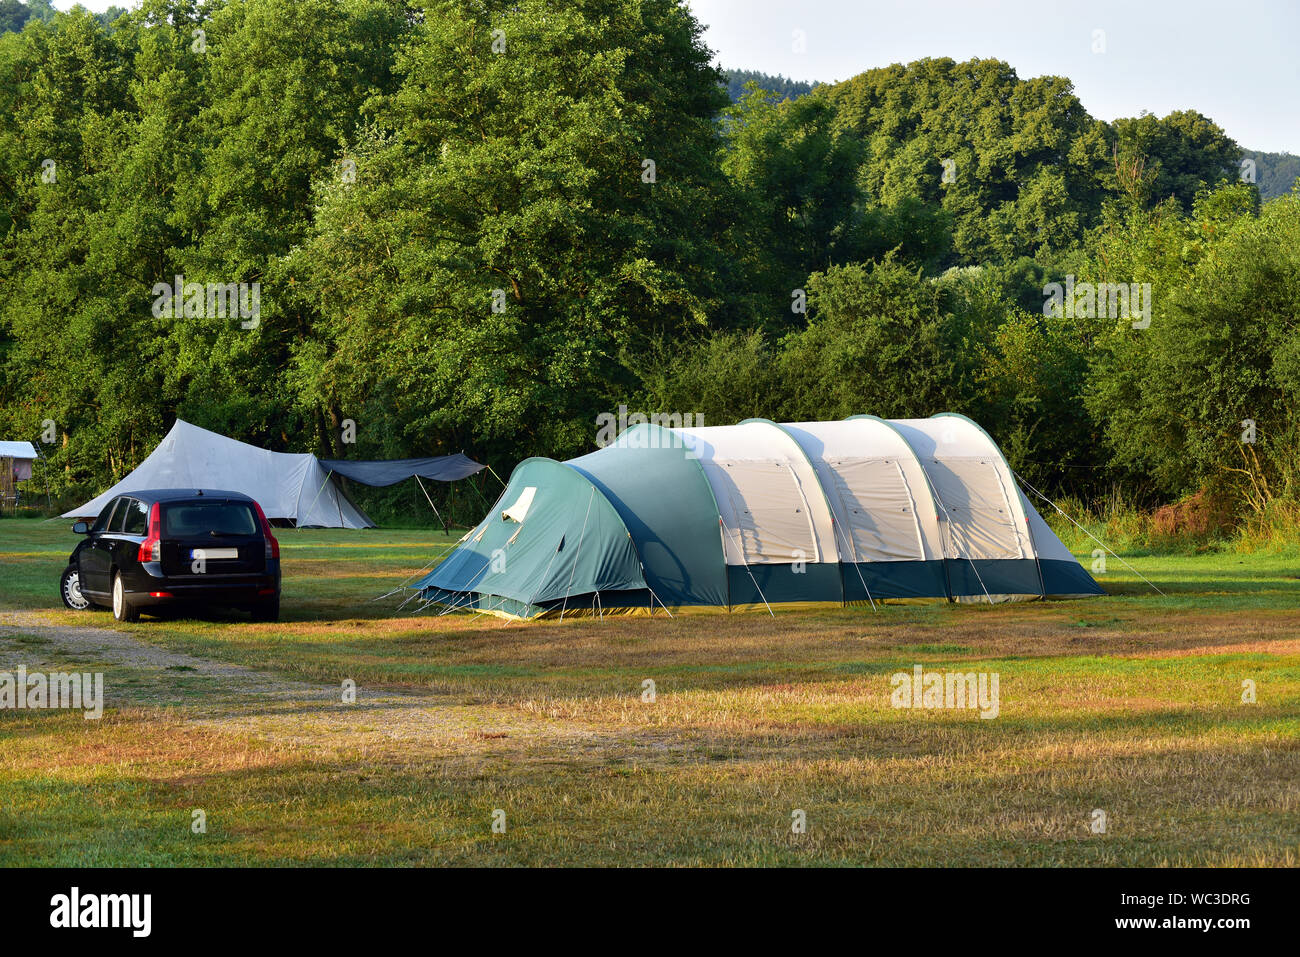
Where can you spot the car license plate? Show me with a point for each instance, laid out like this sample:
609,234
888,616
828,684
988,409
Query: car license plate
208,554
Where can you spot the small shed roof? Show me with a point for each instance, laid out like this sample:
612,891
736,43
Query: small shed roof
17,450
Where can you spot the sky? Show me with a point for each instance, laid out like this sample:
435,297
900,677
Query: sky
1238,63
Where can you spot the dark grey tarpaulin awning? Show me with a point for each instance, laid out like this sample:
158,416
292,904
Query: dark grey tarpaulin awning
443,468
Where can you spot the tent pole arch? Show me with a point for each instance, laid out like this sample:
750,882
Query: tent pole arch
316,498
825,498
675,438
934,497
1013,501
951,525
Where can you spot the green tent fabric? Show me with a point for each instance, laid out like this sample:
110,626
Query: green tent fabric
762,514
552,536
665,501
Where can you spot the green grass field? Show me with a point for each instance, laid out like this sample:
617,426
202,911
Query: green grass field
1131,704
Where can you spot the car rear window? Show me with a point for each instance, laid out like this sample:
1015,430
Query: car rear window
201,518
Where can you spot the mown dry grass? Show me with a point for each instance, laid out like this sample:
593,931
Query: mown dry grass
1130,704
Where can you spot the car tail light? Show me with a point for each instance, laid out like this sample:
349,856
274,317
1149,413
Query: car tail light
272,546
161,594
151,547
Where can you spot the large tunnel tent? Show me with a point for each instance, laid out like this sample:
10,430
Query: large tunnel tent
291,487
763,514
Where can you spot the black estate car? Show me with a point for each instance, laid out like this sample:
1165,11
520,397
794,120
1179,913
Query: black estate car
175,546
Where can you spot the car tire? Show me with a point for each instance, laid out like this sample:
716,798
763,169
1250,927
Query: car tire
123,610
70,590
267,610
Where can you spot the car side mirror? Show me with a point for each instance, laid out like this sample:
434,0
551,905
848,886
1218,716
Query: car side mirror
81,528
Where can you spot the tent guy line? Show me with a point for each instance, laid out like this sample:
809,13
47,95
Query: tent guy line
1088,533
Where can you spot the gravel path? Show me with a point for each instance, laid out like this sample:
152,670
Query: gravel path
116,648
234,698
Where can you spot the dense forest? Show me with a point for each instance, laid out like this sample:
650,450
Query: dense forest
739,81
479,225
14,14
1275,173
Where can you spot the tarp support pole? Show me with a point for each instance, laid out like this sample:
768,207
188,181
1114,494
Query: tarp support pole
45,477
297,521
446,529
482,498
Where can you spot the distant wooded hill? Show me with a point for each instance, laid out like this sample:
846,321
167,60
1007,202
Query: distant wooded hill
1275,173
789,89
14,14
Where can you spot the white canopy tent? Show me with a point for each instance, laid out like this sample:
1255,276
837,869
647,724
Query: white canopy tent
289,486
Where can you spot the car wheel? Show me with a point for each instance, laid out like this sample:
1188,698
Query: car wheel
267,610
70,590
123,610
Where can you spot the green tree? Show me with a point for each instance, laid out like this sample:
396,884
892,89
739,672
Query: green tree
1205,396
1182,153
285,84
794,180
13,14
725,377
1033,371
885,340
148,153
541,194
1015,163
74,347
